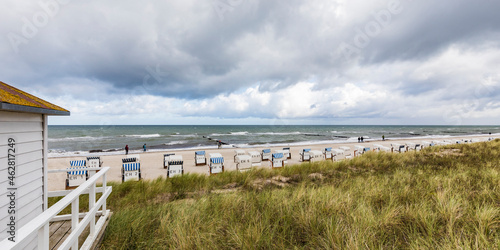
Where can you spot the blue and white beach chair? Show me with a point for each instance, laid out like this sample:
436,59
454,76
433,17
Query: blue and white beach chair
199,158
77,175
216,163
304,155
131,171
278,160
328,154
266,154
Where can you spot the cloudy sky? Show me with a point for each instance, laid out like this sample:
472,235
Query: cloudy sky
257,61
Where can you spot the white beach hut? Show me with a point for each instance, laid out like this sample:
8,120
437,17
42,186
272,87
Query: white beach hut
256,158
338,154
304,155
216,163
243,163
266,154
199,158
328,154
238,152
278,160
77,174
287,153
24,171
175,166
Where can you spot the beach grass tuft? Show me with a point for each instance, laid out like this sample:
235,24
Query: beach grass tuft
442,197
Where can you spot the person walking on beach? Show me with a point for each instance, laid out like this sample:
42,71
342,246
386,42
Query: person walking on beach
359,139
126,149
383,137
362,139
144,147
219,144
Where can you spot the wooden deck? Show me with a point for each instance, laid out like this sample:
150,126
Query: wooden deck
60,230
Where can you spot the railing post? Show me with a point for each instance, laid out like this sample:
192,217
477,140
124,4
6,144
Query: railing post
91,205
103,191
75,207
43,237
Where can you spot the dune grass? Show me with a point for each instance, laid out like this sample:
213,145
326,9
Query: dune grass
442,197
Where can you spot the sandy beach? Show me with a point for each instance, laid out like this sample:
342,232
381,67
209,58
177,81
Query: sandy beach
152,162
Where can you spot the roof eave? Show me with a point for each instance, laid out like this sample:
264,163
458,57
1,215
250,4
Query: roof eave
28,109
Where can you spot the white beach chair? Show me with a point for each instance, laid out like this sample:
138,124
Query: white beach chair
256,158
266,154
166,158
238,152
277,160
288,154
216,163
199,158
315,155
77,174
304,155
175,166
328,154
338,154
131,171
398,148
347,152
358,150
243,163
94,162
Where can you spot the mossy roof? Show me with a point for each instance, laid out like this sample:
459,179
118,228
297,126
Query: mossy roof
13,99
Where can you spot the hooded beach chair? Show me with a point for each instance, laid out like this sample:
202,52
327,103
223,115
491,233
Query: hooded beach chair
243,162
358,150
304,155
238,152
328,154
347,152
94,162
166,158
315,155
266,154
199,158
277,160
175,166
288,154
77,174
131,171
380,148
256,158
398,148
338,154
216,163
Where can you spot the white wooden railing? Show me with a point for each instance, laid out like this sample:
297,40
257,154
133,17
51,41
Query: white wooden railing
40,225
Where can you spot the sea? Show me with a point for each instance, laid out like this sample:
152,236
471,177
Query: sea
108,140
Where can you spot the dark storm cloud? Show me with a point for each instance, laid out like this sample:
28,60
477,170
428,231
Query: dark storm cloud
197,50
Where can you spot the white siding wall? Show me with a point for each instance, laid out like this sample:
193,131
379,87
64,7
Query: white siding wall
27,129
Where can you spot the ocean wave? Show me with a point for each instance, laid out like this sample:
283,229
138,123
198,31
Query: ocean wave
144,136
239,133
175,143
278,133
186,136
80,138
